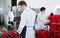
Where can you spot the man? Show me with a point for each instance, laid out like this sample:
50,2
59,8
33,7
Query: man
11,17
41,19
27,21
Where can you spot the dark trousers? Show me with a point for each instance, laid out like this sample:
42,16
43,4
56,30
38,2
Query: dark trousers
17,20
23,33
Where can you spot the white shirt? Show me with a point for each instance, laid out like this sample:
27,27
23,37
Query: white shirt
41,20
27,18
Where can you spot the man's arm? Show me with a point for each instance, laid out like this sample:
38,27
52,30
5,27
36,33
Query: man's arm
41,18
22,24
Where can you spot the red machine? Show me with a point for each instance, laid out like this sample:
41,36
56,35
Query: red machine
55,26
10,34
52,23
42,34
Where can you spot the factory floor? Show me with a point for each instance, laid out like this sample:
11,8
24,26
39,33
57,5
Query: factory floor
1,28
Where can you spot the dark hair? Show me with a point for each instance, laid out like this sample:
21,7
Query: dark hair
22,3
42,8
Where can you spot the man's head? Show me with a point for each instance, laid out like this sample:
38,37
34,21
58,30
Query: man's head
22,5
42,9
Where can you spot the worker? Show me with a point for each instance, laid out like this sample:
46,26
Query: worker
11,17
41,19
27,21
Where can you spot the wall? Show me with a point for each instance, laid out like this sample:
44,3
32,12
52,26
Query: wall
4,9
1,6
50,5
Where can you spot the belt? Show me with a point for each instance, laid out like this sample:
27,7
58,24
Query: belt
31,26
